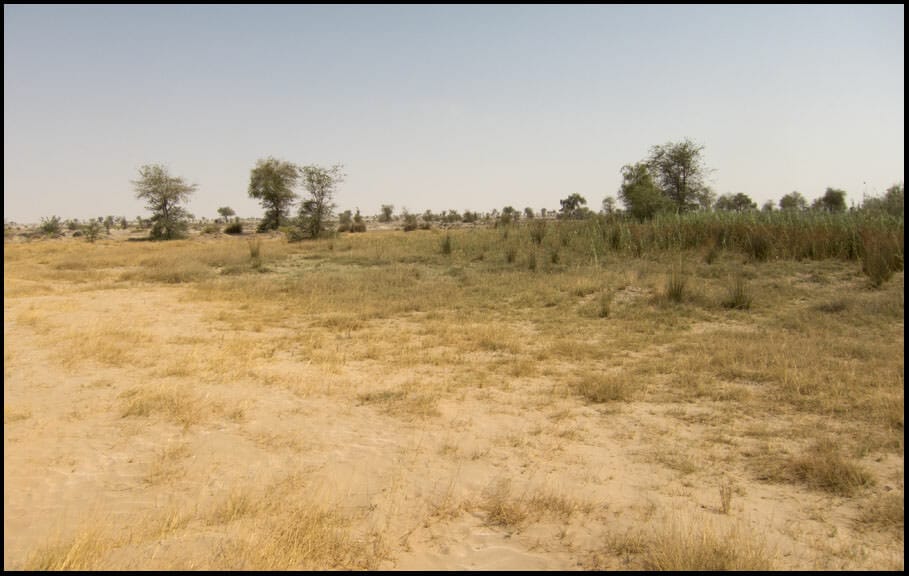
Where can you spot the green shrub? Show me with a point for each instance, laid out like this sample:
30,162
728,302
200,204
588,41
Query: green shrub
234,228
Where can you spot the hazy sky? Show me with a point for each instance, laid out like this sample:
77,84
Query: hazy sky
444,107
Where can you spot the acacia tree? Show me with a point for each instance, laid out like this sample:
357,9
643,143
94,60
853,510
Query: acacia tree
272,182
735,203
163,195
679,170
320,183
640,195
573,207
793,201
833,200
226,212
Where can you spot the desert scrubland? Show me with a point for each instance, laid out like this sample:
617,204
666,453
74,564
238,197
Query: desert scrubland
548,395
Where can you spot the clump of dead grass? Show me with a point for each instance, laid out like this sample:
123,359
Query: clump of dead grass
84,551
885,512
693,545
821,467
172,402
607,387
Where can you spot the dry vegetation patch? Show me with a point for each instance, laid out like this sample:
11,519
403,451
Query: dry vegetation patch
336,384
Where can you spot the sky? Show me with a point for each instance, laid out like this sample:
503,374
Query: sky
444,107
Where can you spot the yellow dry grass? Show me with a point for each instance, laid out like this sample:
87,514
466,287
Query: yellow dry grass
402,369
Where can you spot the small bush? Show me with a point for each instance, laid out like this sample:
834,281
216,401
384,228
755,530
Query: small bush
738,297
92,230
211,229
758,247
255,253
51,226
604,304
537,232
675,286
410,222
880,259
234,228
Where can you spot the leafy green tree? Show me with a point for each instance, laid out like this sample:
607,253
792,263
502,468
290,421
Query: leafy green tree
768,206
528,213
679,171
92,230
508,216
226,212
51,226
387,213
163,195
735,203
641,196
793,201
315,212
833,200
272,182
573,207
108,223
609,205
891,203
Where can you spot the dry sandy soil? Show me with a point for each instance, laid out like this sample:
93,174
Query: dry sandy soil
147,426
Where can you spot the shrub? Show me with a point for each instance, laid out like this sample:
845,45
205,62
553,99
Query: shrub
211,229
738,297
537,232
234,228
675,286
410,222
880,259
51,226
92,230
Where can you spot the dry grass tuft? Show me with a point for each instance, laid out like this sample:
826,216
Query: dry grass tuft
886,512
501,509
170,401
83,552
821,467
607,387
692,544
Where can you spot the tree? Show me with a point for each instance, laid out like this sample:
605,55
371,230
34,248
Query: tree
640,195
226,212
272,182
573,207
891,203
833,200
793,201
608,205
679,171
315,212
358,224
768,206
735,203
163,195
51,226
387,213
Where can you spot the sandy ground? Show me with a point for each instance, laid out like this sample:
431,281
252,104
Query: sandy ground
589,477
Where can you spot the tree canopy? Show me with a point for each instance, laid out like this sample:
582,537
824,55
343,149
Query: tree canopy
163,195
272,182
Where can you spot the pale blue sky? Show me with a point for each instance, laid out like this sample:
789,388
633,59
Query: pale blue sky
444,107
